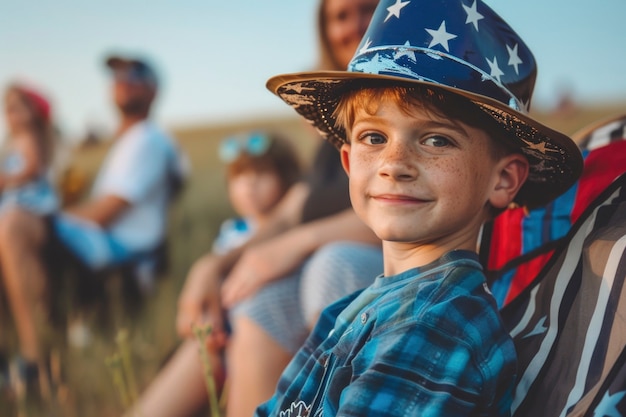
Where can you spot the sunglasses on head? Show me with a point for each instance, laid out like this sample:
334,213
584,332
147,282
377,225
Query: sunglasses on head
134,75
232,147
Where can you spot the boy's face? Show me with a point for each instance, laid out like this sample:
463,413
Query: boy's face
420,179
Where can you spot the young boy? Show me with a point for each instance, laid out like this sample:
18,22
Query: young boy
434,137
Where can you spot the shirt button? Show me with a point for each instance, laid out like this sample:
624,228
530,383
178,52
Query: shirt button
363,318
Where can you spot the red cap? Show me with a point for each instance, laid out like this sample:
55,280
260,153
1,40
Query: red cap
39,103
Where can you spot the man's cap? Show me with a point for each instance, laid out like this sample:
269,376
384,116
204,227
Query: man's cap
139,69
461,46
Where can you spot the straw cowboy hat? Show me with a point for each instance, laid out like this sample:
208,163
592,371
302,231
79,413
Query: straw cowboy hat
461,46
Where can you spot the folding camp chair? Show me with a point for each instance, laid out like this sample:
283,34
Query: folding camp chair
559,274
517,244
569,325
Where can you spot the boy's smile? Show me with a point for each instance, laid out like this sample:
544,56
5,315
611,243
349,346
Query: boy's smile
420,179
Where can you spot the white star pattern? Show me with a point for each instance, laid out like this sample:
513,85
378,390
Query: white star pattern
526,104
496,72
541,166
394,9
540,147
406,51
472,15
379,64
440,36
608,405
514,59
407,42
366,46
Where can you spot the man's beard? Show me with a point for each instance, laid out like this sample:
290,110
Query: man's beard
136,107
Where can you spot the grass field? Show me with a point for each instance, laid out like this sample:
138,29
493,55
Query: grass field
88,388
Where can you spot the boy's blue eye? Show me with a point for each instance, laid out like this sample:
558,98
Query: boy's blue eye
437,141
374,139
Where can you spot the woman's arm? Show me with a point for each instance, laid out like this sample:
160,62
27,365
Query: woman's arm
275,258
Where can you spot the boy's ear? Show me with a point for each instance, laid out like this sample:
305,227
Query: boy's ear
512,171
345,157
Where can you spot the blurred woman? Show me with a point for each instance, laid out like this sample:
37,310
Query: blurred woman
312,251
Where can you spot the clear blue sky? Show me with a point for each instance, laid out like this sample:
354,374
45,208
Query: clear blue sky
215,56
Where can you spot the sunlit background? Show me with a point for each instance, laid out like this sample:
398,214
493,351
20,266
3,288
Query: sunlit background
215,56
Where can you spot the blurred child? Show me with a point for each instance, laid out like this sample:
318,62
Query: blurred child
28,152
260,168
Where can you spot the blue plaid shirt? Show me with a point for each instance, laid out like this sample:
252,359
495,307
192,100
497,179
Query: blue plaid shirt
427,342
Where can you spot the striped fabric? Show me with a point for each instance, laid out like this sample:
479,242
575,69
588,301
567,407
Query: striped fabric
558,274
569,325
518,244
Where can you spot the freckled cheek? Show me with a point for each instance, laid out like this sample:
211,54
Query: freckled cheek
363,158
361,166
448,172
452,177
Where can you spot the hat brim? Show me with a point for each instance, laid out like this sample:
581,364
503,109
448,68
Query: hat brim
555,160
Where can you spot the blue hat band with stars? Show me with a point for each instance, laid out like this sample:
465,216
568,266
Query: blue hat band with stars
463,47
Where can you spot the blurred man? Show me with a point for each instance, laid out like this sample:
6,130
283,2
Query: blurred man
124,218
126,215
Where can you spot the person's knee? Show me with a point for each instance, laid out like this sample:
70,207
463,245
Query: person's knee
21,227
337,259
245,333
20,232
336,270
249,339
330,253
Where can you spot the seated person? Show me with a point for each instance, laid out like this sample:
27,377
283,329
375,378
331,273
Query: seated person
127,211
313,252
260,169
125,216
434,147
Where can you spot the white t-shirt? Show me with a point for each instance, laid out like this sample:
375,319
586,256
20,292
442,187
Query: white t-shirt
233,233
139,168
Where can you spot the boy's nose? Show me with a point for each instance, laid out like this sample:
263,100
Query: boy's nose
398,162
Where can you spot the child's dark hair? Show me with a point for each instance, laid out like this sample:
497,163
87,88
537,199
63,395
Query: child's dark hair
280,157
441,102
